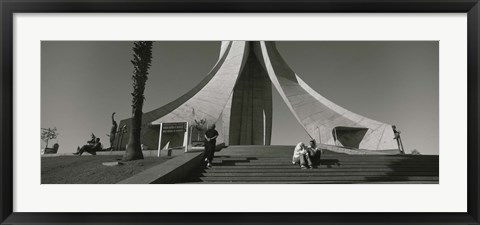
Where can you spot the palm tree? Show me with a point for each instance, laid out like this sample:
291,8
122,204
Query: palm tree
142,59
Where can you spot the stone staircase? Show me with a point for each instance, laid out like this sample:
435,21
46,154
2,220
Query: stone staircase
272,164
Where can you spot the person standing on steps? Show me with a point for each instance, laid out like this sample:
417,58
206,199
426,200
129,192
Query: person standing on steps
210,143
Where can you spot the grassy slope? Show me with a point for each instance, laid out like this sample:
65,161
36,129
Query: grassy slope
89,169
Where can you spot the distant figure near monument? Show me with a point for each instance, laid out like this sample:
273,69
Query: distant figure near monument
113,132
237,93
398,138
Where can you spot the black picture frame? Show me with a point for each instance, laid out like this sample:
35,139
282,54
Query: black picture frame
9,7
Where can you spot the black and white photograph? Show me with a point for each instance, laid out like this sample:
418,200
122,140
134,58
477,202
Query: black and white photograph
239,112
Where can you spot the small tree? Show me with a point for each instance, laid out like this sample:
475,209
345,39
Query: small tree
200,127
49,134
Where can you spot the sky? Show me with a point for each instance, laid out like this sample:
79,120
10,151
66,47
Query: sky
395,82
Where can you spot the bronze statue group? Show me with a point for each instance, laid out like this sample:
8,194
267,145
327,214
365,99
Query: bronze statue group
94,145
91,147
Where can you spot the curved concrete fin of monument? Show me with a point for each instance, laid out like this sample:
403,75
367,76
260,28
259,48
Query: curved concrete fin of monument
148,117
257,51
379,136
319,116
224,49
264,57
225,120
205,101
162,111
208,99
251,106
224,45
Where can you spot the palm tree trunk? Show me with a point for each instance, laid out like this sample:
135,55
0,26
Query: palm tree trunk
142,59
134,150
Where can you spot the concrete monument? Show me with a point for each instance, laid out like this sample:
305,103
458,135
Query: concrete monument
237,96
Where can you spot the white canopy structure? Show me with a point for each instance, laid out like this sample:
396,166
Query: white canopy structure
237,96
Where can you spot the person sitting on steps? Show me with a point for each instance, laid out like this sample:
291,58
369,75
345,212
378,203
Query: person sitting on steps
314,153
300,156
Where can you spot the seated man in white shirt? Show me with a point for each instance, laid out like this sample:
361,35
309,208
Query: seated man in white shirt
300,156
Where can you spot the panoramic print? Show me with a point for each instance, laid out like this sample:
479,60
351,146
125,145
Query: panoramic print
239,112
